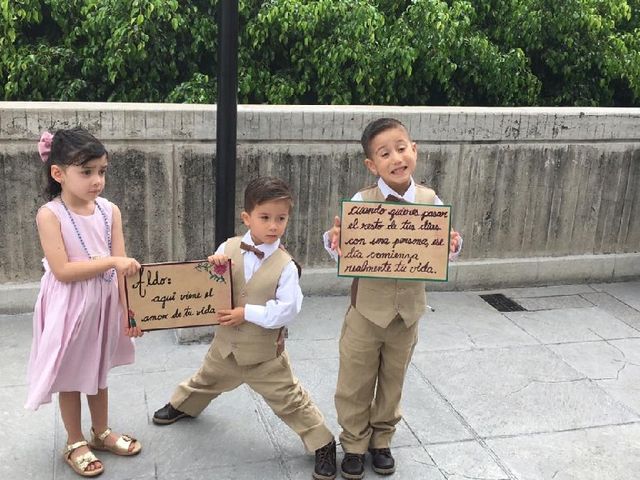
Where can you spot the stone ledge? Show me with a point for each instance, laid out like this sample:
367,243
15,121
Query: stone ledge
495,273
463,275
18,297
305,123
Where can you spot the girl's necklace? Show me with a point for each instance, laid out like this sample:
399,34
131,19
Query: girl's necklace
107,231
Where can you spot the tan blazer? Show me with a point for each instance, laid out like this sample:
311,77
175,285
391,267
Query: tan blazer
250,343
381,300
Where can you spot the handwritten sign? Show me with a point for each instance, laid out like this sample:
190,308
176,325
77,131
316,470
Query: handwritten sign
173,295
394,240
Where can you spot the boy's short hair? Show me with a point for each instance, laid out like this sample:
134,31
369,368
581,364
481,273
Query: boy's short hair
265,189
375,127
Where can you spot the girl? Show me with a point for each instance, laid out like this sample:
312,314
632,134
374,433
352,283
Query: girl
79,321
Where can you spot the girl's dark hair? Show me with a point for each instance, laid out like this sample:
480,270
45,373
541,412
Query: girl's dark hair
74,146
265,189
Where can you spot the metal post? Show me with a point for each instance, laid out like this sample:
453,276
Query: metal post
226,120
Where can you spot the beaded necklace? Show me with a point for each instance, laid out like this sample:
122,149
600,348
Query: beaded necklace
107,231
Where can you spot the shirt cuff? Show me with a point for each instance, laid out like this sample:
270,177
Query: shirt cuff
255,314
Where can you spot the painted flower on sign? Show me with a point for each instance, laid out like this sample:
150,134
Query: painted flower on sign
216,272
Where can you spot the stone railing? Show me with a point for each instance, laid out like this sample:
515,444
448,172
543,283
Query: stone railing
540,195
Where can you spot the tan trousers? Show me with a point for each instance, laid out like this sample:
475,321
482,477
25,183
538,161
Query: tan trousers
373,364
273,380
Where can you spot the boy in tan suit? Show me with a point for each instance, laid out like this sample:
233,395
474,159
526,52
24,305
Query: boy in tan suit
248,346
380,329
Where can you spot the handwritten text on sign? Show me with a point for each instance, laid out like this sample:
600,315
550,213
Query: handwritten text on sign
394,240
173,295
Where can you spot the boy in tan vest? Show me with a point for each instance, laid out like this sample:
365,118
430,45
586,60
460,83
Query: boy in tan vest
248,346
380,329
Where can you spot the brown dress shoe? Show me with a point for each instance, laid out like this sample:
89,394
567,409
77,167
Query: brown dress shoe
325,468
353,466
382,460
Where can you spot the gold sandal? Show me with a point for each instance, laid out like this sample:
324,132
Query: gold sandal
82,462
121,447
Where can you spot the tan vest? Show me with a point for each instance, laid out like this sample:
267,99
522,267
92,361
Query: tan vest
250,343
381,300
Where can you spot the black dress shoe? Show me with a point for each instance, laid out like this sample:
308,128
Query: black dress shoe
382,460
168,415
353,466
326,462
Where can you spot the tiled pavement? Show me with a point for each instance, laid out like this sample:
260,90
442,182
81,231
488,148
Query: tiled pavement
552,392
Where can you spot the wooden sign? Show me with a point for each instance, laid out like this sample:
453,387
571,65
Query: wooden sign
174,295
394,240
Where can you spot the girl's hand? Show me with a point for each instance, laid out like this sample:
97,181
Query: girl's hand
334,236
133,332
125,265
231,318
129,330
219,259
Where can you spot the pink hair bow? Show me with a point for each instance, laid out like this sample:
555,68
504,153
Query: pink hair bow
44,145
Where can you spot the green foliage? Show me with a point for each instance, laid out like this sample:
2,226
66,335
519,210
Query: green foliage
111,50
313,52
585,52
347,51
457,63
414,52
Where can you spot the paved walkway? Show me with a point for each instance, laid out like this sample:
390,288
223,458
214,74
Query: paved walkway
548,393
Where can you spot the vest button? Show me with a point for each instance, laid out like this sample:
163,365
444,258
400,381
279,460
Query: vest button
243,294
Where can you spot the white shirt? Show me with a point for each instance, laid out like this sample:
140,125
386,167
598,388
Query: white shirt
285,307
409,196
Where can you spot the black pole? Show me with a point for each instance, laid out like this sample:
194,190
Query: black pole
226,120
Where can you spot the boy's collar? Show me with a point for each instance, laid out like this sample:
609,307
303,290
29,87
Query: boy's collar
267,248
409,195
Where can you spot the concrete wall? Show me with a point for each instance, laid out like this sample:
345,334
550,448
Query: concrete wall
539,195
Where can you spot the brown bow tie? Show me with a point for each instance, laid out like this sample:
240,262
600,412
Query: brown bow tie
393,198
250,248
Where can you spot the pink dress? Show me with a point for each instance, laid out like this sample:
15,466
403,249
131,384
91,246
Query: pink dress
78,326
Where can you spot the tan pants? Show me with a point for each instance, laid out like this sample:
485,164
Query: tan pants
273,380
373,365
